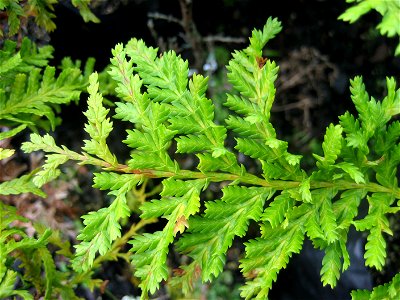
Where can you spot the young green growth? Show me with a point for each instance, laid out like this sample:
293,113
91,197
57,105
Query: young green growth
389,10
164,108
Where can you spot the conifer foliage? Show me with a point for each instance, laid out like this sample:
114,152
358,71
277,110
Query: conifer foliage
164,107
31,93
42,11
389,10
30,89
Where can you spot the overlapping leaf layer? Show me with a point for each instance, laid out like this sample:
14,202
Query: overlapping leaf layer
169,115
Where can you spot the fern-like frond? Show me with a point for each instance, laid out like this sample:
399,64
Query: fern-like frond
389,10
42,11
166,111
388,141
12,132
166,78
211,235
50,271
14,12
12,248
331,146
276,211
253,77
31,90
22,60
33,95
370,111
332,264
377,223
98,126
102,227
391,103
323,200
50,170
180,200
84,10
346,208
191,114
23,184
265,257
153,138
179,101
202,135
7,287
389,138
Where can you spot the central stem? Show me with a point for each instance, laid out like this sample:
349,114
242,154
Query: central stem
245,178
251,179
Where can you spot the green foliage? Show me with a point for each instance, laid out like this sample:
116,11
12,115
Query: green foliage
23,184
15,12
30,96
16,245
265,257
84,10
31,92
390,11
387,291
106,219
5,153
34,92
212,234
179,201
98,127
166,108
36,266
41,10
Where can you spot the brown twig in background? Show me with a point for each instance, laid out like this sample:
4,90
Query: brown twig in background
299,72
223,39
159,40
168,18
191,33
